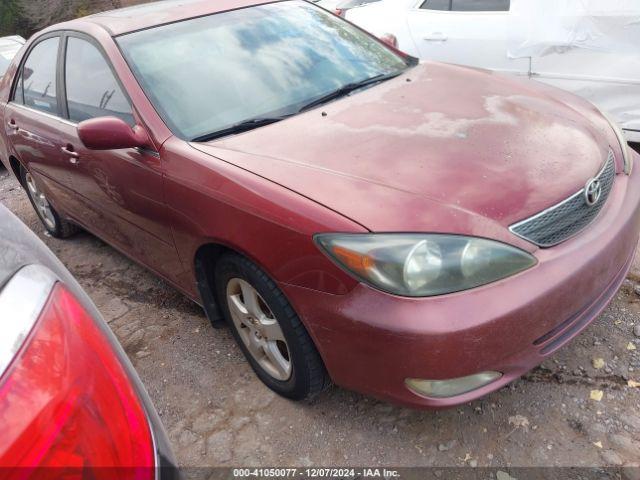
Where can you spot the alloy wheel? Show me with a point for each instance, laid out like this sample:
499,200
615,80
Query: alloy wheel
41,203
259,329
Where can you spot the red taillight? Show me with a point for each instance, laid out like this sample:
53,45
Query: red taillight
339,12
66,401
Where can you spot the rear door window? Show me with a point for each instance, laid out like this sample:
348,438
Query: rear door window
38,77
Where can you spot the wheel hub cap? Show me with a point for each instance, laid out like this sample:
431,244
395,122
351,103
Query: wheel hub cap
41,203
259,329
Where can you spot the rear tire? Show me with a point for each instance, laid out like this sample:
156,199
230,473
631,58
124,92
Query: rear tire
284,358
53,223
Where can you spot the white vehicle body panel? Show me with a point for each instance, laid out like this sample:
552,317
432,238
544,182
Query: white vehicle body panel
9,47
588,47
439,35
328,4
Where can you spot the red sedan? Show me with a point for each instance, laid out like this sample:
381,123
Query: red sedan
421,232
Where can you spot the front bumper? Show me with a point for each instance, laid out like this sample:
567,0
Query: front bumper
371,341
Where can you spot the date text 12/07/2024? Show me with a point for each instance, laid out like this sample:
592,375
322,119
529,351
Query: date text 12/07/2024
330,473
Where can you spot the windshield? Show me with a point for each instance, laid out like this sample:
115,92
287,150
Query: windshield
207,74
8,50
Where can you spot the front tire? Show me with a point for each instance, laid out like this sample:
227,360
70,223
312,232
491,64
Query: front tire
268,331
53,223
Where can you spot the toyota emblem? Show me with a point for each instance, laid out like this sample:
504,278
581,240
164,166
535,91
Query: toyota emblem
592,192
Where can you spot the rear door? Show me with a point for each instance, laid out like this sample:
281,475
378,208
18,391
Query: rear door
34,118
120,192
466,32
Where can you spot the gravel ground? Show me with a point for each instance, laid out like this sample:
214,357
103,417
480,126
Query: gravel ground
218,414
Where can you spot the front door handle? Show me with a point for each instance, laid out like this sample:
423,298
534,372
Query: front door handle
68,150
436,37
12,124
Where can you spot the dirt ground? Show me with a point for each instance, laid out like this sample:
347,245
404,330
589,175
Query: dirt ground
217,413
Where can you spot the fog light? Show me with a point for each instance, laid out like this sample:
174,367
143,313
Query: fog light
452,387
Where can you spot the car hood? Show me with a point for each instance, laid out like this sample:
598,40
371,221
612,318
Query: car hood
440,148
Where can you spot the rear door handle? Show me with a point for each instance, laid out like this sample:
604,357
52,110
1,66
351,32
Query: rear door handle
12,125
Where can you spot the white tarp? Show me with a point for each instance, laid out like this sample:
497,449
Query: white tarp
542,27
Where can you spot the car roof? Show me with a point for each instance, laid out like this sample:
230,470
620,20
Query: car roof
140,17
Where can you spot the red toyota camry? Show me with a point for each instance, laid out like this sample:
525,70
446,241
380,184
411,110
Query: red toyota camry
421,232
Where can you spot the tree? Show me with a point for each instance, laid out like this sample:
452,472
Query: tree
24,17
43,13
11,18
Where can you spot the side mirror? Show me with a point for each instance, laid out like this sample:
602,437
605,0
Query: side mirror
111,133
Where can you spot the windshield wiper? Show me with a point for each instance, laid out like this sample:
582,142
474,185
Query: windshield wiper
250,124
240,127
347,89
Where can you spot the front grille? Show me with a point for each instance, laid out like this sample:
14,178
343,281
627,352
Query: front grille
567,218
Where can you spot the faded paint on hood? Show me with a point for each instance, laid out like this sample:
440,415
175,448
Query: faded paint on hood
440,148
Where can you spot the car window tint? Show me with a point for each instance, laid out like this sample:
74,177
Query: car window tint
481,5
92,89
39,76
436,5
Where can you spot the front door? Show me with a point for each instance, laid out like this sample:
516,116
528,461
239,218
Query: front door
119,192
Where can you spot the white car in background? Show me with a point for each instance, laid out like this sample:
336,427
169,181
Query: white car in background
588,47
327,4
340,7
9,46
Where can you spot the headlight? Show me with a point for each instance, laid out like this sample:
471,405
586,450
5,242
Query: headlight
423,265
626,151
